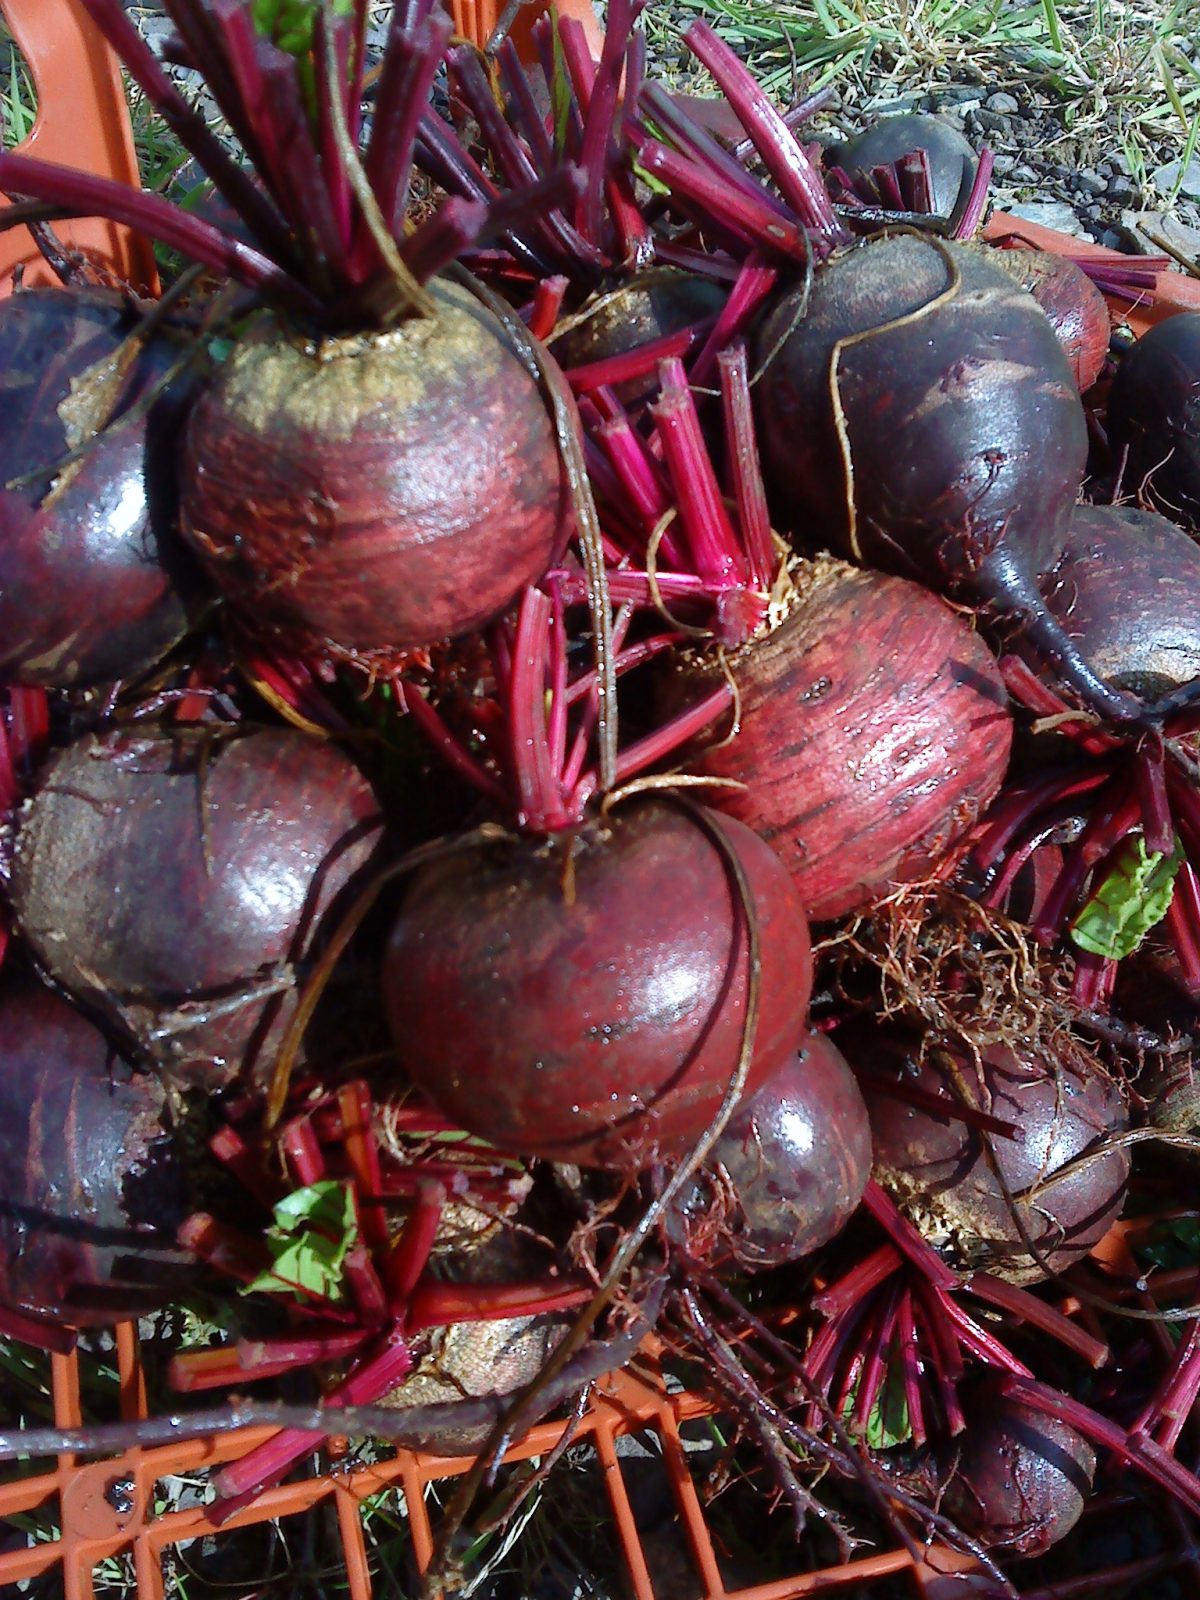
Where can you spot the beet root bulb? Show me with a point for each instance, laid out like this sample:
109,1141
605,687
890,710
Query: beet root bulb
375,493
583,999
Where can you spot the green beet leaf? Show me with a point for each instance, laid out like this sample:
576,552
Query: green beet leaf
314,1230
1131,899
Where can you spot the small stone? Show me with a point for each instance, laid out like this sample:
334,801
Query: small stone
1089,181
1003,164
1121,190
1003,104
993,122
1054,214
1184,239
1023,174
1175,178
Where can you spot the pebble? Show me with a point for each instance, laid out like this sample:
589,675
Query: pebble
1089,181
1003,164
1174,177
1054,214
1121,190
1185,239
994,122
1004,105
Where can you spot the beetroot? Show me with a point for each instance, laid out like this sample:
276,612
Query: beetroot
89,554
1154,414
169,878
1126,589
789,1169
921,417
1019,1477
91,1182
940,1171
402,487
951,159
584,998
1076,309
872,733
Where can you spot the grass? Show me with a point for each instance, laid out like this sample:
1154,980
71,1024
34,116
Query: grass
1123,74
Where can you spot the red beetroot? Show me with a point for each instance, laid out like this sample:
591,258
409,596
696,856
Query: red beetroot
1074,305
1020,1478
584,998
943,1173
91,1185
374,493
790,1168
171,879
872,732
1154,414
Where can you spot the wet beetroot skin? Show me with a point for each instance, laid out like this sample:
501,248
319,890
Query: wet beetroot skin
583,999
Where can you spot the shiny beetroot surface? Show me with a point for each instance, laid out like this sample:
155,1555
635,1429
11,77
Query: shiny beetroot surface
939,1170
1020,1478
790,1167
154,874
91,1187
1127,590
963,425
873,732
87,556
375,493
584,998
1154,414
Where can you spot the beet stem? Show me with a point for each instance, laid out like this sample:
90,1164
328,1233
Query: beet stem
798,183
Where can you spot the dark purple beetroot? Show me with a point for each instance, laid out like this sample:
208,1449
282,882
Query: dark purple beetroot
91,1185
952,161
873,731
165,877
921,417
1075,307
88,557
638,312
789,1169
1020,1478
376,492
584,998
1154,412
965,433
939,1170
1127,590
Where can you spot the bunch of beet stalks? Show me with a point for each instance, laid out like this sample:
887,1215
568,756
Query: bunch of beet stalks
614,749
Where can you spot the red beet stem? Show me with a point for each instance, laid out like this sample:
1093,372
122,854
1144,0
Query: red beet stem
875,1355
362,1154
745,468
1028,1308
1110,822
967,224
410,62
858,1282
245,1163
1182,923
668,117
747,218
449,746
262,1468
782,156
906,1238
910,1367
753,287
977,1340
412,1249
1158,827
41,1334
635,363
546,306
716,550
599,116
251,1359
655,746
434,1304
1134,1448
943,1357
941,1105
87,195
303,1153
